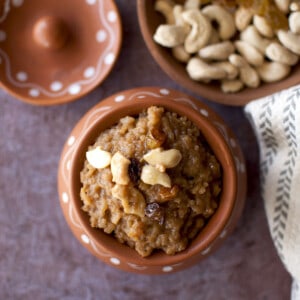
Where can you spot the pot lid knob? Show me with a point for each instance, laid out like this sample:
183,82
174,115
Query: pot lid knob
50,33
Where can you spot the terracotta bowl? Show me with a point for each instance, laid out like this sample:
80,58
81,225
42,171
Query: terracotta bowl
149,20
59,51
220,139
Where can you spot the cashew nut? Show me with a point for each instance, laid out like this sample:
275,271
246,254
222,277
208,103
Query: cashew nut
231,86
251,35
219,51
162,159
231,70
283,5
192,4
150,175
242,17
276,52
249,77
119,169
273,71
295,6
250,53
132,200
200,70
170,35
177,13
200,32
237,60
98,158
289,40
180,54
223,18
294,22
262,26
165,7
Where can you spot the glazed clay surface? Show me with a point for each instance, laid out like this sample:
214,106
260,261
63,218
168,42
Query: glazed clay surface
39,256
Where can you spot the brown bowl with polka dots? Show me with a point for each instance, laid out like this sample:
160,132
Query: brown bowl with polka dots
130,103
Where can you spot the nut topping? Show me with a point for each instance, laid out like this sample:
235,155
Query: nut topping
98,158
163,159
150,175
119,169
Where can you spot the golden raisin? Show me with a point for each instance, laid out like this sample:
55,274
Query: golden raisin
165,194
276,18
267,9
155,138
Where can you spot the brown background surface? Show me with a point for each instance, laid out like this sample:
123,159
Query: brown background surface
40,258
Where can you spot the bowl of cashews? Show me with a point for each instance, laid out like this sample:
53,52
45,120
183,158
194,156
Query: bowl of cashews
151,180
224,50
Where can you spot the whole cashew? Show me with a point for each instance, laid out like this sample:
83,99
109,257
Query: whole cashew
231,70
294,22
249,77
237,60
252,36
242,18
192,4
289,40
177,13
273,71
262,26
200,32
283,5
170,35
165,7
231,86
276,52
295,6
163,159
250,53
180,54
219,51
200,70
223,18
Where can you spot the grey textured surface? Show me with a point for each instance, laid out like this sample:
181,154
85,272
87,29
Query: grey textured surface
40,258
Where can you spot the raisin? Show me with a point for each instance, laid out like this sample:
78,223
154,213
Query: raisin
155,138
267,9
134,170
276,18
155,211
165,194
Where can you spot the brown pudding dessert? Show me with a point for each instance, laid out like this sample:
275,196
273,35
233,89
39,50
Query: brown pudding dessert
152,181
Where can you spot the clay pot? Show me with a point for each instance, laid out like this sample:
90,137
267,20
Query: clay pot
219,137
59,51
149,20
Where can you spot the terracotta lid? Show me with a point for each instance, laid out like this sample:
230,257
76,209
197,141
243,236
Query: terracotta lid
53,52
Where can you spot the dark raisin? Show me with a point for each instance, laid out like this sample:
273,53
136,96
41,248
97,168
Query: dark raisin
134,170
155,212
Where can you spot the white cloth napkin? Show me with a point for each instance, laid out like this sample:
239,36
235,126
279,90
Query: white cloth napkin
276,121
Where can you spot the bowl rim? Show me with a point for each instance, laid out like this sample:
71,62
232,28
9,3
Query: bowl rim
211,92
206,237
